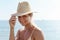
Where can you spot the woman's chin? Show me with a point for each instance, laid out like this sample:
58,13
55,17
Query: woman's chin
23,24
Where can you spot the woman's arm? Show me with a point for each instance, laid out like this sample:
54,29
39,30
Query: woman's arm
38,35
12,34
12,21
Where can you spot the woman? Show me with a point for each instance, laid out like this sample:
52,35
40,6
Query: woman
24,15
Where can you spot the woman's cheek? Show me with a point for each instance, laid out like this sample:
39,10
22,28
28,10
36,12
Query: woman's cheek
28,19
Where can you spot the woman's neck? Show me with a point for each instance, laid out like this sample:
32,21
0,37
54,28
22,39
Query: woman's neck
29,26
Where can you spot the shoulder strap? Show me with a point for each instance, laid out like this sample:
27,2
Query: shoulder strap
29,37
32,32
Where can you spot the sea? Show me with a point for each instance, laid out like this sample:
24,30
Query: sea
50,28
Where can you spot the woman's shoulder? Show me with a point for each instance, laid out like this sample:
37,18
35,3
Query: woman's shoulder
37,28
37,31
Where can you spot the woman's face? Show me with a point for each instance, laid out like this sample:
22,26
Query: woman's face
25,19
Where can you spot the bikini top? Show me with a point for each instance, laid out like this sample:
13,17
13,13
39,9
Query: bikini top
29,36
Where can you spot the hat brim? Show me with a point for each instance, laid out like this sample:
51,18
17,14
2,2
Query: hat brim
21,14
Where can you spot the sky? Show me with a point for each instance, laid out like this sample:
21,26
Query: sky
47,9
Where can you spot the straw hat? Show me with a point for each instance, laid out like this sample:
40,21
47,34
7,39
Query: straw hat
23,9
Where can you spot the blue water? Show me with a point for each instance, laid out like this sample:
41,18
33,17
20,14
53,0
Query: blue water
50,28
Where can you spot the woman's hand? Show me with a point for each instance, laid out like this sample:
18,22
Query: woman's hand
12,21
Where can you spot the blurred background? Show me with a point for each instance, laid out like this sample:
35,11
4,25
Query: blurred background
48,18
